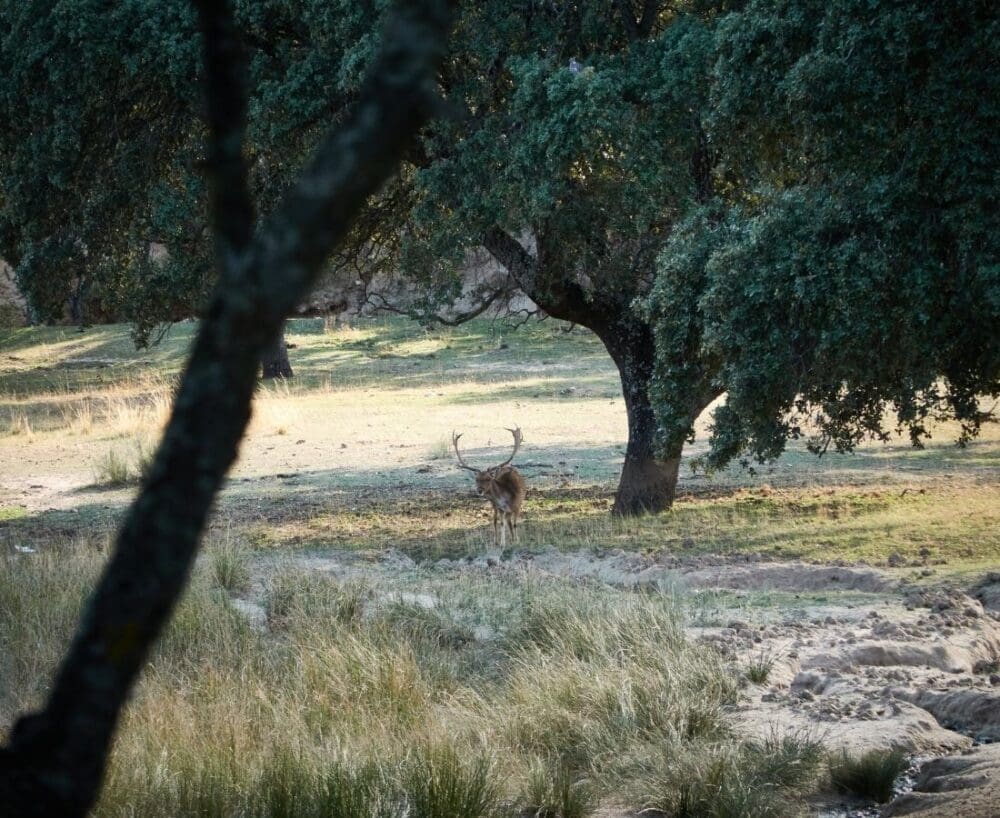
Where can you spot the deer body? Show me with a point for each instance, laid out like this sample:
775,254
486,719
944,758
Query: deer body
504,487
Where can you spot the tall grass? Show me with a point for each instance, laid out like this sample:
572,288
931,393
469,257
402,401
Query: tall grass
352,701
115,468
129,407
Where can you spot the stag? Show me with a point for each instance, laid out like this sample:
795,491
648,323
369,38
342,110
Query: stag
503,486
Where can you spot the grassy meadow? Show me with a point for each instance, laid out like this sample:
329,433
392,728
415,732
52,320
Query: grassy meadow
284,691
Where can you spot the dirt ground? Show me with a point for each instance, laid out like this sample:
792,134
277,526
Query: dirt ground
863,589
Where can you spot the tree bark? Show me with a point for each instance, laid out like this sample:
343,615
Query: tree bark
648,484
274,361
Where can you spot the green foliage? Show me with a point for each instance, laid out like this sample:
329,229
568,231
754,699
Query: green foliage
799,197
90,102
101,150
854,271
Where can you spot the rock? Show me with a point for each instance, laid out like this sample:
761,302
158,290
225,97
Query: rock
987,592
965,786
254,612
884,724
396,559
787,576
895,560
973,711
955,656
425,601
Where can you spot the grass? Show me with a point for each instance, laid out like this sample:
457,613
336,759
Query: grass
870,775
731,780
230,565
448,693
554,791
353,452
115,469
582,696
759,667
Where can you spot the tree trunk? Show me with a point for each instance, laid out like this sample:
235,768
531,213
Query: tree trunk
275,361
52,763
647,484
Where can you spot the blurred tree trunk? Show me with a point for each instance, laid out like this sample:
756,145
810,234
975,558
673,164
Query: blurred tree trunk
274,362
54,760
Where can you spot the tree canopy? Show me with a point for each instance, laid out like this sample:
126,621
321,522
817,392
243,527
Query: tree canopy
791,203
854,272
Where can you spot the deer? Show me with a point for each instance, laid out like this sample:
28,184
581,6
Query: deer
503,486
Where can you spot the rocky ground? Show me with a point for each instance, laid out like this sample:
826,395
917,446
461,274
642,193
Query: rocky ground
857,657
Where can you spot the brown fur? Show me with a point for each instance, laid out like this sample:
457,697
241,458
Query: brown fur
503,486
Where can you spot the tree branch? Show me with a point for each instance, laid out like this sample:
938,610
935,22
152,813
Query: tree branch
54,760
492,296
558,295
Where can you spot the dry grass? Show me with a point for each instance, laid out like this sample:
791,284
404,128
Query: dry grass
122,466
124,408
361,703
354,452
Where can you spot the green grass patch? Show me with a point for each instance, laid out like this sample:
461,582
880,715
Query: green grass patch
12,513
870,775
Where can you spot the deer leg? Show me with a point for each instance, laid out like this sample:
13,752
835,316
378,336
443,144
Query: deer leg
513,527
503,531
496,534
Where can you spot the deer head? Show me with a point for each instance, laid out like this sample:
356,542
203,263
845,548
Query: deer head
485,478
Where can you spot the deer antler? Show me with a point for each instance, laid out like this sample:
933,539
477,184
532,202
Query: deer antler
461,461
516,431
